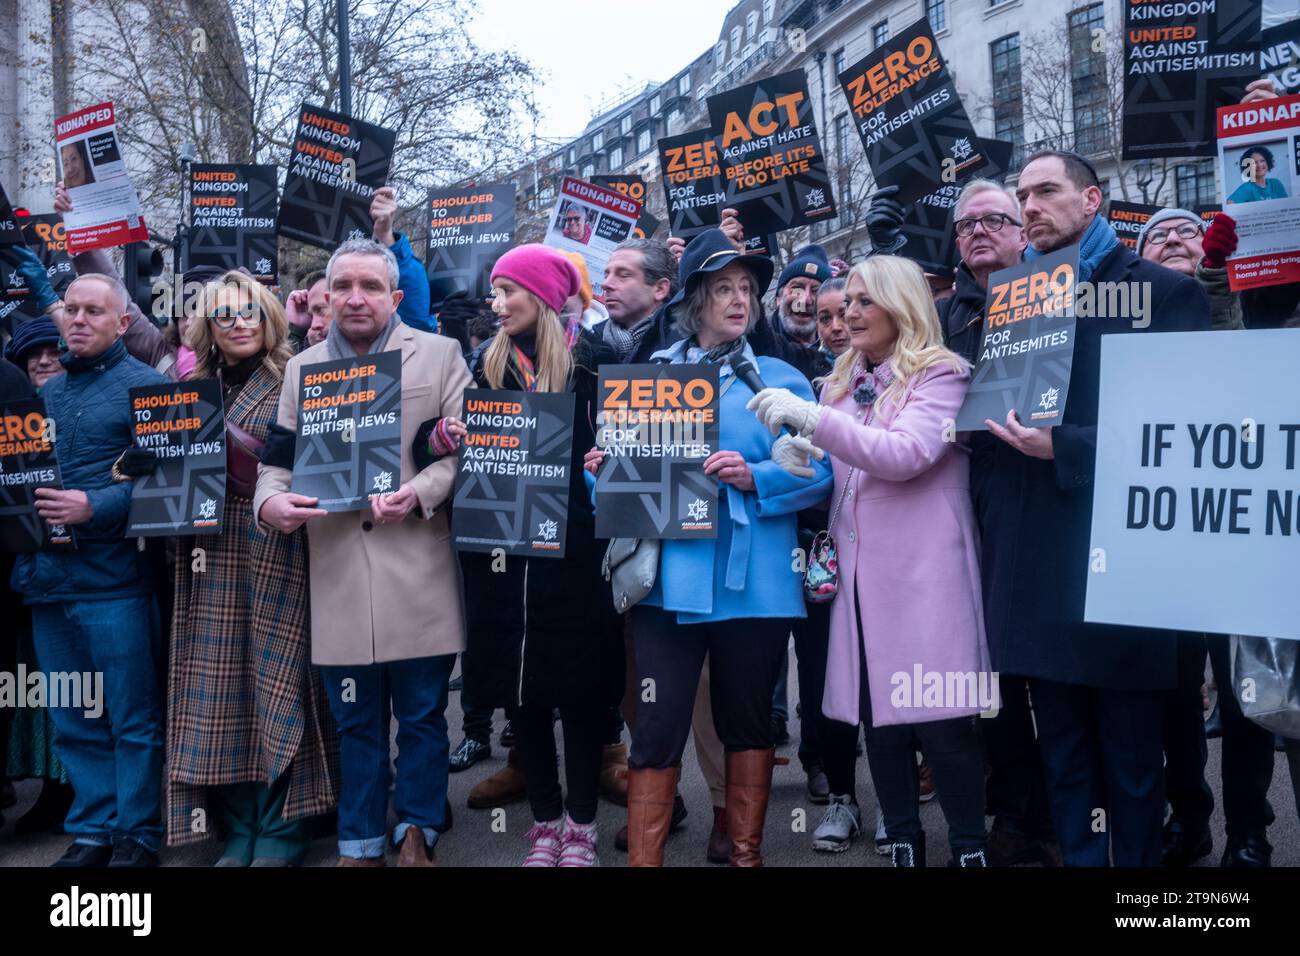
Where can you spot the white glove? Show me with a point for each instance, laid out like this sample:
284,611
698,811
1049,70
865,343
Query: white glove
794,455
780,406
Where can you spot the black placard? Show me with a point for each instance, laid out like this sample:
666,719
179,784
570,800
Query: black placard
692,179
349,444
44,236
338,163
1128,218
1027,344
1182,61
928,222
469,229
513,473
10,232
652,483
1279,56
905,108
773,167
633,187
27,462
184,425
232,219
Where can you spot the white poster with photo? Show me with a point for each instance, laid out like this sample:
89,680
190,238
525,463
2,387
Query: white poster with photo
591,220
1196,496
105,207
1259,157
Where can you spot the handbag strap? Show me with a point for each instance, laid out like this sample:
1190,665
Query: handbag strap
835,512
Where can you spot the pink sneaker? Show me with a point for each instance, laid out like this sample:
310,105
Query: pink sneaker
578,848
546,841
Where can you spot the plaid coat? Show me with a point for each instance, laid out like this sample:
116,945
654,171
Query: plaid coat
244,703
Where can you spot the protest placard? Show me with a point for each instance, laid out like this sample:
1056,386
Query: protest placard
105,208
1128,218
27,462
338,163
906,110
1259,148
928,222
688,164
1182,61
773,167
45,236
184,425
233,212
591,220
349,443
469,229
11,233
1279,56
657,424
1195,502
513,473
633,187
1027,348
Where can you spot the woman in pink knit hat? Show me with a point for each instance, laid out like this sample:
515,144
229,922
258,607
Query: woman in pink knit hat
542,633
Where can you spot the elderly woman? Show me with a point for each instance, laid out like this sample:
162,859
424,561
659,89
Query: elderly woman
250,741
732,597
907,650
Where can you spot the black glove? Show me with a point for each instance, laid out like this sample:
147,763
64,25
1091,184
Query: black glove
420,453
884,222
137,463
277,451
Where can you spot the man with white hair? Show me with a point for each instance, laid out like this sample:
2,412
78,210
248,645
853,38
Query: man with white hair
386,619
92,611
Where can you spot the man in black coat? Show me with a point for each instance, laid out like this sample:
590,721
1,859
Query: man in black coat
1097,689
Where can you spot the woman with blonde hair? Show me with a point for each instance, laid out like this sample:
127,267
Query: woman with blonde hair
907,652
543,633
251,745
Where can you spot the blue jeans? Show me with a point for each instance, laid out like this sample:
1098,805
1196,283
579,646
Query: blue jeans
417,689
115,759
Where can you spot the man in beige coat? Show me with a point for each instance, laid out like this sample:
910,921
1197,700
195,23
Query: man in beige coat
385,604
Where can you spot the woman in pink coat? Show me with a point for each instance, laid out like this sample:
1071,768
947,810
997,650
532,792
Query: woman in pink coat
907,653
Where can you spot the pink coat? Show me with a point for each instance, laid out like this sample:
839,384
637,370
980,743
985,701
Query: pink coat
908,546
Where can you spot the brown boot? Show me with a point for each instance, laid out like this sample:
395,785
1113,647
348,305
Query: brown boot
504,786
749,782
650,795
360,861
613,774
414,851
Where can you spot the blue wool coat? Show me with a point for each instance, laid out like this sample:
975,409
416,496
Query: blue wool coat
92,410
750,569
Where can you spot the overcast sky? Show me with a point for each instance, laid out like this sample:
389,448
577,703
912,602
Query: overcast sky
586,51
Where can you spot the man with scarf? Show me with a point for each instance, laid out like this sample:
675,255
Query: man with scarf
1097,690
640,276
386,618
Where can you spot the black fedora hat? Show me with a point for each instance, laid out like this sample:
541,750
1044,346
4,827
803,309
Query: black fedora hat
710,251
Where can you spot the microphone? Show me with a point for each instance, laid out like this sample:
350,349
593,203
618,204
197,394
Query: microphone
747,373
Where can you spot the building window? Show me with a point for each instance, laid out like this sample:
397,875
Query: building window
837,61
735,41
1008,115
720,54
616,157
1194,183
683,84
588,170
597,141
842,138
656,102
643,141
880,34
1088,80
937,13
674,118
751,25
625,124
573,155
769,10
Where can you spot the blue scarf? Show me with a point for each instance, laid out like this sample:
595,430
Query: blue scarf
1098,241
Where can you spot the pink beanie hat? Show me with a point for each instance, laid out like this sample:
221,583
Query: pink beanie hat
542,271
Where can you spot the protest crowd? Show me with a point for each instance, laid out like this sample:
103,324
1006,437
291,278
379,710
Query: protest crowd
255,680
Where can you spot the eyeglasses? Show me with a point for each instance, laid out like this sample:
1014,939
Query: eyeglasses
226,319
573,219
1188,230
993,222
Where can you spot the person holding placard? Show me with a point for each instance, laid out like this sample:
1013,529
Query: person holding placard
909,598
250,740
732,597
385,598
542,634
92,610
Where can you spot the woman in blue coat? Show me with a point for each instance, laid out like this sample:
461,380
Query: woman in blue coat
732,597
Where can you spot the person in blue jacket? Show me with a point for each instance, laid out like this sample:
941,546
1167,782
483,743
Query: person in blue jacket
412,279
92,612
731,597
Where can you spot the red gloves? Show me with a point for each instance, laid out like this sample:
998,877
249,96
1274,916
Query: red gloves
1220,241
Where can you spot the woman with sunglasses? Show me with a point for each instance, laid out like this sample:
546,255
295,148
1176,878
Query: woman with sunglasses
250,741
